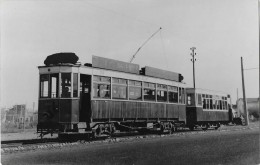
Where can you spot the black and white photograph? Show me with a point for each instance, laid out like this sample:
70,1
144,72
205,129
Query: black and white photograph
130,82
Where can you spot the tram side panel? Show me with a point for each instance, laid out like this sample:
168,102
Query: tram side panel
212,115
48,114
119,110
196,115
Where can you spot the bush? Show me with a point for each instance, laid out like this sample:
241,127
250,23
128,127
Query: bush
255,114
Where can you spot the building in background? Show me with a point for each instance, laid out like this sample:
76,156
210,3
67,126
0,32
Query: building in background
18,116
252,105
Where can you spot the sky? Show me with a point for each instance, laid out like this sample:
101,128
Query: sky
222,31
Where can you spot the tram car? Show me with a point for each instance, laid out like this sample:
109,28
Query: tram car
207,108
110,95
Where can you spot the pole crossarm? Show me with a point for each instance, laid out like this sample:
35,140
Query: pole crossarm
251,68
193,64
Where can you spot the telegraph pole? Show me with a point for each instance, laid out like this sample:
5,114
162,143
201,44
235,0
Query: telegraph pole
237,93
244,92
193,62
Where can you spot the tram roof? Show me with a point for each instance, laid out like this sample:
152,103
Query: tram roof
115,65
206,91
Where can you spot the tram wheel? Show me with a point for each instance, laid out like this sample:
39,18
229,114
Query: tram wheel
205,128
191,128
217,127
162,128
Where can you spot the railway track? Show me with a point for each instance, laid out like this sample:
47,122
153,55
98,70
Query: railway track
121,135
23,145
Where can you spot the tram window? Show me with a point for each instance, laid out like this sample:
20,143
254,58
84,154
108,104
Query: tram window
122,81
135,83
101,90
199,100
131,82
149,91
119,88
44,85
183,96
191,99
172,88
65,85
149,94
84,87
213,104
115,80
146,84
138,83
180,95
96,78
217,104
161,86
220,104
204,102
119,81
207,103
173,97
224,105
161,93
210,104
161,96
135,90
105,79
119,92
101,79
75,85
149,85
54,85
135,93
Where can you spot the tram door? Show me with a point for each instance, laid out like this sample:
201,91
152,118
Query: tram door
85,103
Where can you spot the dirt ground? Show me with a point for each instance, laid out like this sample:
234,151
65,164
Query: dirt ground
236,146
27,134
31,134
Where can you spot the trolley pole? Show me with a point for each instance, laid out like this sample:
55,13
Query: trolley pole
193,63
244,92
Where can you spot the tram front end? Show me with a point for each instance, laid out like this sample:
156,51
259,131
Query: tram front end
59,101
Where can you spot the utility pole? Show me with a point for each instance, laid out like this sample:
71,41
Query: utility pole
259,37
193,62
237,93
33,106
244,92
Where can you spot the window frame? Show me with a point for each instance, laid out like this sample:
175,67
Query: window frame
101,81
151,87
135,85
71,85
120,83
42,86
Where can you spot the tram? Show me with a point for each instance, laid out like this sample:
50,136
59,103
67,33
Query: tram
110,95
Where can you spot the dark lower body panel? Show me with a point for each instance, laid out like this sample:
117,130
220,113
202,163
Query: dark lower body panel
198,116
125,110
